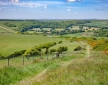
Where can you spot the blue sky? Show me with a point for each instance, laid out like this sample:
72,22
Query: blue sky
53,9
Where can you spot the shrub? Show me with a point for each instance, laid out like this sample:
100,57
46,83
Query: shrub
78,48
61,49
59,42
52,50
18,53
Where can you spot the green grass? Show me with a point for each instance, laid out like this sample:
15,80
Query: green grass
85,71
10,43
71,45
101,23
11,75
73,35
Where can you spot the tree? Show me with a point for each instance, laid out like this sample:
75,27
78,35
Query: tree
62,49
32,52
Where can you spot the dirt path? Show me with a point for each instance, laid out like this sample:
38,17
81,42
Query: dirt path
88,49
7,29
40,76
31,80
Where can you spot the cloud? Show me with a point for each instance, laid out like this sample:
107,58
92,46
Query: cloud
69,10
32,3
45,7
10,1
14,0
0,8
74,0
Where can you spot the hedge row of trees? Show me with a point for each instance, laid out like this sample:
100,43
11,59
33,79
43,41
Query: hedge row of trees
37,50
15,54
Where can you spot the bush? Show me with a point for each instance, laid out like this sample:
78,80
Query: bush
59,42
16,54
78,48
52,50
71,40
61,49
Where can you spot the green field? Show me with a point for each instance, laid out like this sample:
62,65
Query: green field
98,23
82,67
13,42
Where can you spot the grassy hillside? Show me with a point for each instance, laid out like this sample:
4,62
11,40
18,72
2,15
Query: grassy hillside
88,66
12,75
86,71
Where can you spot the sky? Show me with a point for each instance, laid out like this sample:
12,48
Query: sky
53,9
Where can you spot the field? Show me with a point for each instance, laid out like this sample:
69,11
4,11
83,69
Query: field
98,23
13,42
81,67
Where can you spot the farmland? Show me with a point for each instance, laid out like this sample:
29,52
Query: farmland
32,46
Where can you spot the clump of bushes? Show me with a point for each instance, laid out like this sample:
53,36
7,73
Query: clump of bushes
78,48
52,50
59,42
16,54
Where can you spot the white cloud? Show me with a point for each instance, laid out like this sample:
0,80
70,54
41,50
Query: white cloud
74,0
71,0
32,4
45,7
14,0
69,10
0,8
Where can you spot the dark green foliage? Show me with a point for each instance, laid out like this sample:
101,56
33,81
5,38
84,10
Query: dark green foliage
10,24
61,49
59,42
52,50
16,54
32,52
71,40
101,33
50,24
78,48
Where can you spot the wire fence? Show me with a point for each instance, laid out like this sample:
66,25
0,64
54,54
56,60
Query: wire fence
18,61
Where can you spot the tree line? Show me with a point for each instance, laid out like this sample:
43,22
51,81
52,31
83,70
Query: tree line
37,50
